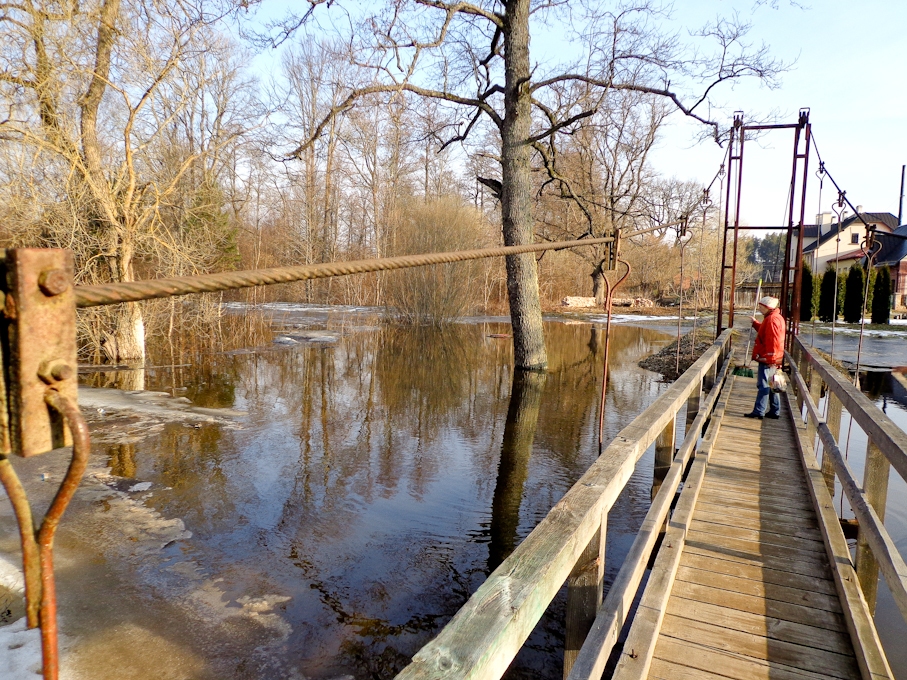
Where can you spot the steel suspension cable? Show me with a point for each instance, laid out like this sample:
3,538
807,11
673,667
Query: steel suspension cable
840,190
115,293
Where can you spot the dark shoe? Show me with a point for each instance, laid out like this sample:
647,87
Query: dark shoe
755,415
773,416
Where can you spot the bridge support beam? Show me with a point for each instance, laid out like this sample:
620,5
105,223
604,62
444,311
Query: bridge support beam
833,420
693,403
664,454
584,595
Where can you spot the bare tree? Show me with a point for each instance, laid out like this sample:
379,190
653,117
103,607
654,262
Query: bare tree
101,96
598,177
475,58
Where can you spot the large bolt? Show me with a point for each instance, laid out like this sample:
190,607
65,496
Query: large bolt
53,282
55,371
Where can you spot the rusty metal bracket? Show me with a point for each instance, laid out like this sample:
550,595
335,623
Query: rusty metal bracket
40,320
39,412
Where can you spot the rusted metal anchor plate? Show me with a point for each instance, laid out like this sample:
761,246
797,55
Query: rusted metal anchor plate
40,315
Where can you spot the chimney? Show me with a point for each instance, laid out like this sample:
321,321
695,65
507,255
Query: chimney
859,210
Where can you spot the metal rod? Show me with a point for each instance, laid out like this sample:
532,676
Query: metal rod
786,301
871,248
901,202
785,126
838,209
683,244
749,335
736,227
609,291
798,263
31,559
738,122
81,447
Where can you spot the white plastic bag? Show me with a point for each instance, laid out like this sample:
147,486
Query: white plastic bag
778,381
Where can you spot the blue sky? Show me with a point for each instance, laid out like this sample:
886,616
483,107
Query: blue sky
850,71
849,63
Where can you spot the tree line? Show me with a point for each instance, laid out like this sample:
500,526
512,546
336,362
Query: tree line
137,135
845,294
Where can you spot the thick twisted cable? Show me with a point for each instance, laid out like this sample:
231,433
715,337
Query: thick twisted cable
115,293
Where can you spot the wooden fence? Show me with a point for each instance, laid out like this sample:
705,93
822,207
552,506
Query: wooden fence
568,546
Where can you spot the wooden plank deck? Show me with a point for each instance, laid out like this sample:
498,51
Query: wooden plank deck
753,596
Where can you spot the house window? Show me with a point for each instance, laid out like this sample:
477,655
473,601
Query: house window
854,238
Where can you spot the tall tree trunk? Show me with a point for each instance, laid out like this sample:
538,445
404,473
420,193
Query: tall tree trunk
126,344
516,198
598,284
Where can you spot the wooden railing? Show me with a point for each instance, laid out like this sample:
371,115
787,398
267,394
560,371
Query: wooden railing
886,447
568,546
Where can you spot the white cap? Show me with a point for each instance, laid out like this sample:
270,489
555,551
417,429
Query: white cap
769,301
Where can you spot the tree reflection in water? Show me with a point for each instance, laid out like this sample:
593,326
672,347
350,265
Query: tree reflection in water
519,432
379,479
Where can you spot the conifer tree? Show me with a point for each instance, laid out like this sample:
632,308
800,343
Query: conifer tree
828,291
817,290
806,293
853,295
881,296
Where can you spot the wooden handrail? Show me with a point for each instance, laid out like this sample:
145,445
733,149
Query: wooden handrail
890,439
487,632
892,442
867,647
643,635
616,608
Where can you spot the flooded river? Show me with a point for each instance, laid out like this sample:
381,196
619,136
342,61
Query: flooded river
362,481
380,475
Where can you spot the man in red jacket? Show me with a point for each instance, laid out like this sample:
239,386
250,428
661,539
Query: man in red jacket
768,351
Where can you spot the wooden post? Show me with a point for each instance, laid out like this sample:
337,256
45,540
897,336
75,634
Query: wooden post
693,406
806,371
708,380
833,420
815,392
584,595
664,455
875,486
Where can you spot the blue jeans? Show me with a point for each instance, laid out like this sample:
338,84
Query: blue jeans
763,391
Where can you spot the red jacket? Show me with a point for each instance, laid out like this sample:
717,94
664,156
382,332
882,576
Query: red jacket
769,347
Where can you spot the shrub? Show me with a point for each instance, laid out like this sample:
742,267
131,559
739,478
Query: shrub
817,289
435,294
806,293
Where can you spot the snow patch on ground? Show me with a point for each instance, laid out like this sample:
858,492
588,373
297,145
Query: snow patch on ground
20,650
629,318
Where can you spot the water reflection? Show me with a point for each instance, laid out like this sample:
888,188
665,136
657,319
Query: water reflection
519,433
379,479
